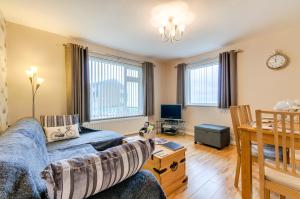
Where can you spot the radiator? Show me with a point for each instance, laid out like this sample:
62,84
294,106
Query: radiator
123,126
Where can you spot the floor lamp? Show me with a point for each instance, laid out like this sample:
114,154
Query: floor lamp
35,84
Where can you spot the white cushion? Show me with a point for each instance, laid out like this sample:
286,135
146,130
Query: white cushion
282,178
57,133
60,127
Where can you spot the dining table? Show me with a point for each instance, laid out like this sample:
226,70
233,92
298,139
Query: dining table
248,135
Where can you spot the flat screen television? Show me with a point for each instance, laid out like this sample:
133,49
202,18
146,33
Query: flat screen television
170,111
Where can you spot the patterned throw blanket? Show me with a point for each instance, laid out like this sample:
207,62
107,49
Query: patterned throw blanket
23,155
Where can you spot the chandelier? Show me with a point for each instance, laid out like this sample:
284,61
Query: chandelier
171,31
171,19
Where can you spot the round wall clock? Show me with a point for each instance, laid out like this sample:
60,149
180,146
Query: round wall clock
277,61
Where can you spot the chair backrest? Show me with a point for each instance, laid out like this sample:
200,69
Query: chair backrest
286,131
240,116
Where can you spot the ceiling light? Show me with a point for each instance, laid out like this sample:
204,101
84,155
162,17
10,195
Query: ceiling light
171,20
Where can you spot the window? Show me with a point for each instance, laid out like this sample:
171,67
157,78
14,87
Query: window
201,81
116,89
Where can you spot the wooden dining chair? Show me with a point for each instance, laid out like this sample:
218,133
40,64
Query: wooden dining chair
279,176
241,116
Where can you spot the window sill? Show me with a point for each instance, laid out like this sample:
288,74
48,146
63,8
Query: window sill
202,105
118,118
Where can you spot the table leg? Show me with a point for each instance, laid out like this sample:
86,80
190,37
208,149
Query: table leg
246,165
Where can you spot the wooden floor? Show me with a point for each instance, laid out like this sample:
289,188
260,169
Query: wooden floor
210,171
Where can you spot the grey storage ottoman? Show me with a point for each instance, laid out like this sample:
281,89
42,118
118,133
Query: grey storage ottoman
212,135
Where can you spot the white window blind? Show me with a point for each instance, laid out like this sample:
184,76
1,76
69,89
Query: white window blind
116,89
201,82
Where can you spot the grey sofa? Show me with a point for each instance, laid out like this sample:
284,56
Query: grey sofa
24,154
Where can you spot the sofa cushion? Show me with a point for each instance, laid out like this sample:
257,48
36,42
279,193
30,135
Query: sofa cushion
282,178
100,140
60,127
71,152
86,175
23,155
58,120
141,185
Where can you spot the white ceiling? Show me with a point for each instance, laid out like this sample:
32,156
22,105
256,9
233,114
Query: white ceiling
126,24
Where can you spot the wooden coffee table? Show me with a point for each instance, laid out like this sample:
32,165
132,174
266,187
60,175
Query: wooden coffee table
168,167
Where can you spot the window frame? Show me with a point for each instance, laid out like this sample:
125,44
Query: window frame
130,64
201,64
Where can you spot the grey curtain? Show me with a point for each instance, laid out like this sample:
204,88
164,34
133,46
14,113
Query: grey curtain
180,98
227,79
77,81
148,74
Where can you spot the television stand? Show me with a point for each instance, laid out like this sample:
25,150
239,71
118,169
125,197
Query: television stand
170,126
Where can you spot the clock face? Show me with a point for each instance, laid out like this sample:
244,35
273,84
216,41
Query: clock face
277,61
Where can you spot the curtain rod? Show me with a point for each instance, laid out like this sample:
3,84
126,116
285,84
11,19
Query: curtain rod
210,59
114,56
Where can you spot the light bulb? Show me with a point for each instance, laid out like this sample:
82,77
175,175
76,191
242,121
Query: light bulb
33,69
161,30
181,28
39,80
175,21
29,73
173,31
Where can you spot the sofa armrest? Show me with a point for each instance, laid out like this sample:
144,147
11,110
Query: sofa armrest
141,185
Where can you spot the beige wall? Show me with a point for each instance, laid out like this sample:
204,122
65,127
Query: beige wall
257,85
28,46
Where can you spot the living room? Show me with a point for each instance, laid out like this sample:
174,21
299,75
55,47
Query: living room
184,69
